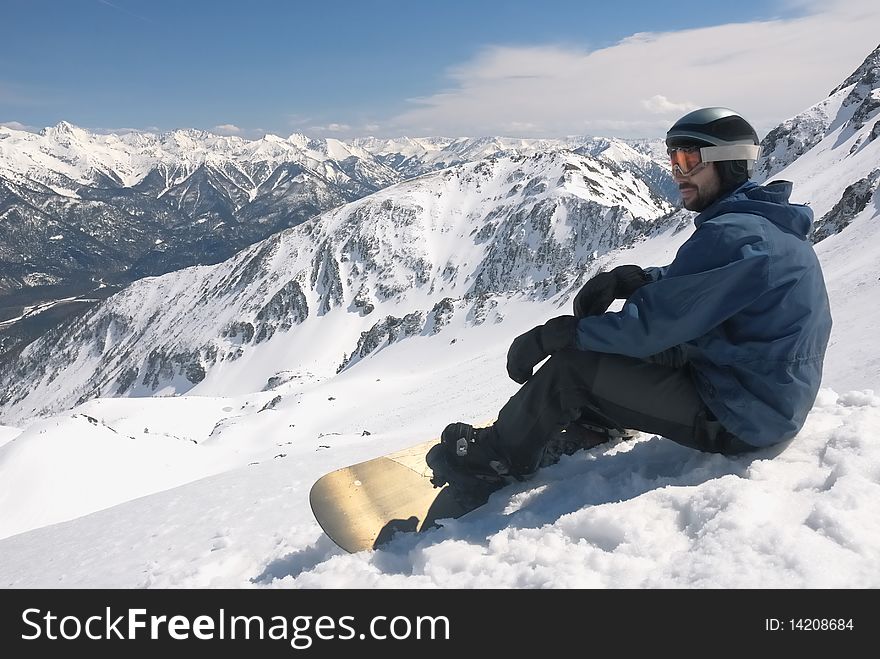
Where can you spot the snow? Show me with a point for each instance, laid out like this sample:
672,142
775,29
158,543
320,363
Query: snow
645,514
8,433
849,261
35,310
210,489
64,155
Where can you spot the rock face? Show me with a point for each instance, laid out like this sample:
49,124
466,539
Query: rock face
863,98
793,138
854,200
401,262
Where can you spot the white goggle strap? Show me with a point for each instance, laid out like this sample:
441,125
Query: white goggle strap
730,152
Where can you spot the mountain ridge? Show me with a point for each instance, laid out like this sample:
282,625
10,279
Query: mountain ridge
143,204
467,234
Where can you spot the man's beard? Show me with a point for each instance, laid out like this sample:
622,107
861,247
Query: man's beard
697,202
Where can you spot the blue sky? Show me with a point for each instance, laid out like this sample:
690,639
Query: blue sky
389,67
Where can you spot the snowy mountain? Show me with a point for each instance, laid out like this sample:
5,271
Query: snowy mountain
78,209
397,263
83,214
65,157
414,157
371,326
845,112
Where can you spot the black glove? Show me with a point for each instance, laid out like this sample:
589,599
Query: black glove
598,293
528,349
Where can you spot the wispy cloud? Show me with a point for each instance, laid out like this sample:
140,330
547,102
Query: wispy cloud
331,128
226,129
15,125
106,3
341,130
768,70
659,104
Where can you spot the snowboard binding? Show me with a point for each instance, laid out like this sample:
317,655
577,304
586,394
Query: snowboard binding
470,487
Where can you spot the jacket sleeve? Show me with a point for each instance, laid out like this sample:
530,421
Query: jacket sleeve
718,271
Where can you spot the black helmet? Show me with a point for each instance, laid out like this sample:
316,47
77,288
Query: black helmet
735,139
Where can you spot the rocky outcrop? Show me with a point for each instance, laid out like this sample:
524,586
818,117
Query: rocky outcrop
382,334
854,200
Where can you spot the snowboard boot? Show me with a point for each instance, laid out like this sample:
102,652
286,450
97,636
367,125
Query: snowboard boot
577,436
466,459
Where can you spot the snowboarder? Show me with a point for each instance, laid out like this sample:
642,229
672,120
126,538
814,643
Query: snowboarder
720,351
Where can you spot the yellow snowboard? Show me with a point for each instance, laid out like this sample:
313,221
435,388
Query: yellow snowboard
362,506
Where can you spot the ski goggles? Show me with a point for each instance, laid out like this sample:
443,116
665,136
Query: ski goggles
689,159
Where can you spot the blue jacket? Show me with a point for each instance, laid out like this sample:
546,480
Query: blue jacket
745,298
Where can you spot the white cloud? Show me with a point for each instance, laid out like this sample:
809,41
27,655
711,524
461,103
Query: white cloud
335,129
344,131
226,129
659,104
767,70
15,125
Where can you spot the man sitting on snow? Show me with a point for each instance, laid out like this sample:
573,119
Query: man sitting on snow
720,351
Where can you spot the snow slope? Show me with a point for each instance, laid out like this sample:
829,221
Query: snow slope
210,489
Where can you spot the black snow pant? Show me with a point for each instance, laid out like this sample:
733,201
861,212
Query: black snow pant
654,395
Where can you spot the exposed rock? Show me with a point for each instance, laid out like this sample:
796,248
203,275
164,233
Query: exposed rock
853,201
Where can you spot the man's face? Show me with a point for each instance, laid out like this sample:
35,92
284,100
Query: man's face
700,187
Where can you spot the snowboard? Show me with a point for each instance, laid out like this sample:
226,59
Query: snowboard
364,505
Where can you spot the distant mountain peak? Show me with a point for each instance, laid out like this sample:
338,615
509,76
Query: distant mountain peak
63,129
868,71
299,140
851,106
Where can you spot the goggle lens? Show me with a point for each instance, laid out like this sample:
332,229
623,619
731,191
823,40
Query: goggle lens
686,159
